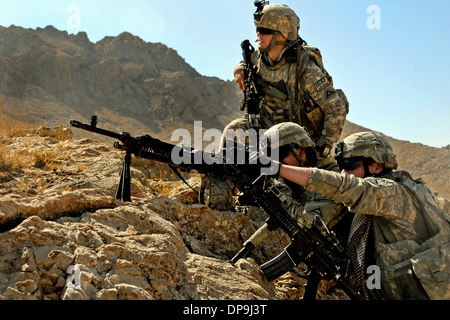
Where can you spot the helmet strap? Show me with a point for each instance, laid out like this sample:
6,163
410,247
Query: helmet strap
297,155
273,43
366,168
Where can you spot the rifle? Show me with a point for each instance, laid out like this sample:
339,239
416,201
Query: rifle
253,92
316,246
255,88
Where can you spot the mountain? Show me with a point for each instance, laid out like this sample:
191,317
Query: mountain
50,76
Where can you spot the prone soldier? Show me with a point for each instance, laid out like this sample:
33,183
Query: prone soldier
397,225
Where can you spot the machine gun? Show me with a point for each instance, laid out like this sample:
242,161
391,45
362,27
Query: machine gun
316,246
159,152
221,166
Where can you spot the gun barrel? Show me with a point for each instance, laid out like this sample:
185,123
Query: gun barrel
88,127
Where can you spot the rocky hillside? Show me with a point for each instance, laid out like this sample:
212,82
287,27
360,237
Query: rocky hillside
63,235
58,216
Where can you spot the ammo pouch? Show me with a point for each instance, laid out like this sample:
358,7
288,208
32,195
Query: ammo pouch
315,117
423,276
215,193
315,114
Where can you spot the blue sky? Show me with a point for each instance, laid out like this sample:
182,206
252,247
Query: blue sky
391,57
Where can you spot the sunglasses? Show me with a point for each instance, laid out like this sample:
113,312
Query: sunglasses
264,31
350,164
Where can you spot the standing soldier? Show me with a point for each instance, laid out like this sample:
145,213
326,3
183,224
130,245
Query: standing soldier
293,86
294,83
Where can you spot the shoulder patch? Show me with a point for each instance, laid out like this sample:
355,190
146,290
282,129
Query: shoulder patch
329,93
322,84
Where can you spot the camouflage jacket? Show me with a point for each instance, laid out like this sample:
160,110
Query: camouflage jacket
411,232
305,205
314,87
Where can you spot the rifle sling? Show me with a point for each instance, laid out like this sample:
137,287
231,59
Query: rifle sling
174,169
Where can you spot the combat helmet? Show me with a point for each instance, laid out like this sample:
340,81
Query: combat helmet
292,136
367,145
278,17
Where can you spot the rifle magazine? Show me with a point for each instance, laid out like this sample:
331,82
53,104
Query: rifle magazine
278,266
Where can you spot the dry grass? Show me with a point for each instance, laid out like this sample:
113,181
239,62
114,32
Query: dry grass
163,185
9,128
13,160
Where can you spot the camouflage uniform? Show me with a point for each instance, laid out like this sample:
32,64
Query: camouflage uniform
304,89
304,94
304,205
410,232
316,88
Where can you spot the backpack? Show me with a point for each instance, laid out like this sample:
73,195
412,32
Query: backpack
313,111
